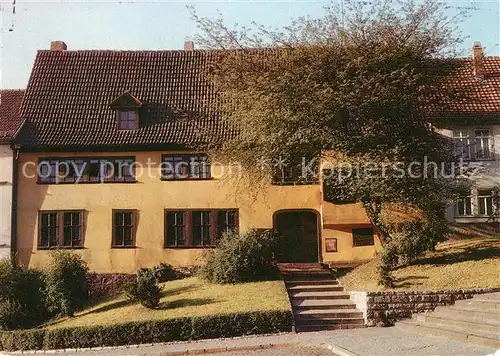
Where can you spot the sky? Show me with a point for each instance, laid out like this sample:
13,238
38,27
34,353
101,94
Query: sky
165,24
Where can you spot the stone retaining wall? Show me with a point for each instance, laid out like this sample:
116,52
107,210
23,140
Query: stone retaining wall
386,307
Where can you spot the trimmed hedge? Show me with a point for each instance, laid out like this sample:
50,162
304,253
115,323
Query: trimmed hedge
181,329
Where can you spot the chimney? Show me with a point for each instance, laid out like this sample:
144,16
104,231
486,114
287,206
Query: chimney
58,46
478,60
188,46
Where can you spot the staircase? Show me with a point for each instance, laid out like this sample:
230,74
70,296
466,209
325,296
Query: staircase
475,320
318,301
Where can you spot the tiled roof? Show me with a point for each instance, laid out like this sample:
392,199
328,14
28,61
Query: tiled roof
67,102
10,118
475,98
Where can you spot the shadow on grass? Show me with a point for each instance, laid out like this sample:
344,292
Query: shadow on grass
409,281
180,303
477,252
110,306
180,290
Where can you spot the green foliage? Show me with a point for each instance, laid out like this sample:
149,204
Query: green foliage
154,331
66,289
21,297
241,258
164,272
361,84
144,289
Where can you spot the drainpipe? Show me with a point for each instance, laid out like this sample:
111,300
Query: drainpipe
13,224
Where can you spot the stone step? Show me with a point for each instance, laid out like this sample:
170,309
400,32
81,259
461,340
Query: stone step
320,295
464,335
320,327
315,288
329,321
327,313
489,296
322,304
480,304
464,322
319,281
461,311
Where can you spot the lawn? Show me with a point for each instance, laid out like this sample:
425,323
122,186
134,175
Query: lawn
458,264
185,297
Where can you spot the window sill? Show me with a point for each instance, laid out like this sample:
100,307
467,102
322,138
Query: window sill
77,183
363,245
123,247
189,247
185,179
55,248
282,184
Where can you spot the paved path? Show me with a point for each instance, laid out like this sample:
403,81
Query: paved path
355,342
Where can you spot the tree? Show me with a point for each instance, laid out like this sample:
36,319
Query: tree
361,87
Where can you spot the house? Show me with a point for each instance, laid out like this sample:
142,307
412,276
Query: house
108,167
10,102
473,123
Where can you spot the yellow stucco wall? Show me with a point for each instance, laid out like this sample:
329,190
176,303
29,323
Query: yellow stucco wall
149,196
338,222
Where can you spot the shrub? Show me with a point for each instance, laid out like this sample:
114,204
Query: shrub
241,258
144,289
65,277
154,331
163,272
22,303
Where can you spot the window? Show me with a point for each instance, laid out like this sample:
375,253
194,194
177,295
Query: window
363,237
484,202
86,170
60,229
175,229
482,144
462,143
198,228
296,173
124,228
464,206
128,120
185,167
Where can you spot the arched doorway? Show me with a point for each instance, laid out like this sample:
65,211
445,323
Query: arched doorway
300,238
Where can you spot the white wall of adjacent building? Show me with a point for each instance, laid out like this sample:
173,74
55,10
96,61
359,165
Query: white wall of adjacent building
481,148
5,199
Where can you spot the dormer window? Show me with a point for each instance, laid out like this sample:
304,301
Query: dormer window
127,111
128,120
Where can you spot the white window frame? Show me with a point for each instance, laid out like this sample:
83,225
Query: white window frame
474,140
461,139
471,207
482,200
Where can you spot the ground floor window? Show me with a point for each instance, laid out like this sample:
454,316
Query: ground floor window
484,202
363,237
60,229
198,228
124,226
464,206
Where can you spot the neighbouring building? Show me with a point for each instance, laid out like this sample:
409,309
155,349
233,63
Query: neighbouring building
473,123
105,168
10,103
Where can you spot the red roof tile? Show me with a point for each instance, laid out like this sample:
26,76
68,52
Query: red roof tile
67,102
10,118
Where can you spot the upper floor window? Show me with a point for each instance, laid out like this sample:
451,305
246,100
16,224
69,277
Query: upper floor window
192,166
60,229
473,144
86,170
127,111
462,143
300,171
128,120
483,143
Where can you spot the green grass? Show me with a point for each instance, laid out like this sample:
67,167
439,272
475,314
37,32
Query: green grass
185,297
459,264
